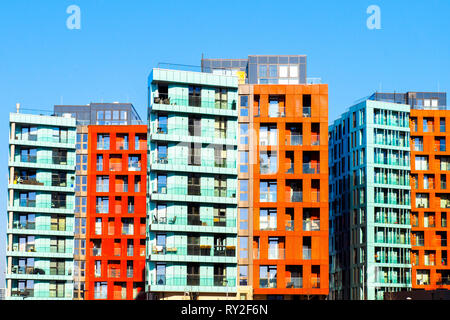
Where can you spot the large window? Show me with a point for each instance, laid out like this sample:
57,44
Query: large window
268,191
244,106
243,190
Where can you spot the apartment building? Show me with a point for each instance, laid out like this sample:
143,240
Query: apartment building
116,206
41,198
290,191
85,115
370,201
430,160
191,243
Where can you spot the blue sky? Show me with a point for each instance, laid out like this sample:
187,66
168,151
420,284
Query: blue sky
43,63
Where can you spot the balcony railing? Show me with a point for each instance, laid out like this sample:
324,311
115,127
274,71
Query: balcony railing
268,283
306,112
289,225
312,168
312,225
294,140
121,187
275,254
315,139
294,196
294,282
134,166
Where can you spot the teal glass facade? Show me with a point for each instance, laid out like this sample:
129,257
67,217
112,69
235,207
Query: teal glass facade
40,209
192,181
370,201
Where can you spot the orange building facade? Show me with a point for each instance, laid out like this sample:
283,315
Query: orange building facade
116,211
290,191
430,193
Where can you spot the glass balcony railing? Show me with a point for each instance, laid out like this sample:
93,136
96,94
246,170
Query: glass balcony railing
194,280
306,112
311,225
294,140
294,282
196,220
268,283
289,225
294,196
312,168
194,101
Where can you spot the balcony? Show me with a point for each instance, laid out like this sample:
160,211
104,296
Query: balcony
315,139
24,225
268,197
29,203
311,225
294,196
121,187
23,293
315,283
134,166
224,251
289,225
294,282
115,167
294,140
122,145
306,112
267,283
28,158
162,159
96,252
102,188
311,168
275,254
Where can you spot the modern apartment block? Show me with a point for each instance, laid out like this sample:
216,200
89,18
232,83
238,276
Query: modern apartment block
430,162
191,244
41,198
289,160
430,157
370,202
116,211
261,69
90,114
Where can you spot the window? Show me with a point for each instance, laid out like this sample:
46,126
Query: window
262,71
243,161
220,127
267,276
268,135
243,133
243,219
243,190
442,124
268,191
244,106
243,247
273,71
195,96
221,98
243,275
99,162
267,219
102,141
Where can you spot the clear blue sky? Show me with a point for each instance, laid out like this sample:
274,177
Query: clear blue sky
43,63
